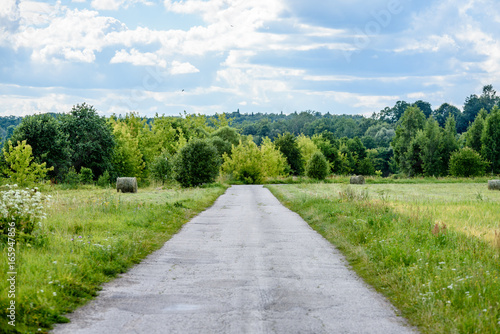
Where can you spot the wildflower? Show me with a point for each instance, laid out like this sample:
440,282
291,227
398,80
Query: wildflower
54,294
54,262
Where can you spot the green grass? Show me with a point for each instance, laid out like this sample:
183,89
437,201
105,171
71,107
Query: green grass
444,280
90,236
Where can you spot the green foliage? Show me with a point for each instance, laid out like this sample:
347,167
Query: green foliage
72,179
86,176
21,169
317,166
431,154
221,145
244,164
273,161
161,168
104,180
466,163
287,144
411,122
307,148
127,157
48,143
90,137
227,134
365,167
473,135
250,164
490,139
196,163
449,143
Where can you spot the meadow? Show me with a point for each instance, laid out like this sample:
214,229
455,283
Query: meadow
91,235
431,248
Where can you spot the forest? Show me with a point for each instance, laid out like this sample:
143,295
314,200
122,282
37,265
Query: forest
406,140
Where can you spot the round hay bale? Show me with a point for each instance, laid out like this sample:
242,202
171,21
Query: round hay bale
126,184
357,179
494,184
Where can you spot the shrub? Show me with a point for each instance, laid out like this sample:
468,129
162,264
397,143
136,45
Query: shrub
196,163
21,168
21,210
104,180
86,175
161,167
72,179
317,167
467,162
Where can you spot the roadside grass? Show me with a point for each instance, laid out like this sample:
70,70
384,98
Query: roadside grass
91,235
400,239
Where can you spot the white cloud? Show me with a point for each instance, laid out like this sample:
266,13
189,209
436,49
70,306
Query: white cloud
137,58
115,4
182,68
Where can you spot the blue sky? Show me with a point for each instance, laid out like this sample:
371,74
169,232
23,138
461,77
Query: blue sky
208,56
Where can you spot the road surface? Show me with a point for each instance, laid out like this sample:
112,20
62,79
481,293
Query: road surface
246,265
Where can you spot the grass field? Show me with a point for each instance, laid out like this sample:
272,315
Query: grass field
91,235
429,247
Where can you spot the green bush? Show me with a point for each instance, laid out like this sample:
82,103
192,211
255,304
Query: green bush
72,179
161,167
467,162
104,180
244,164
196,163
317,167
86,175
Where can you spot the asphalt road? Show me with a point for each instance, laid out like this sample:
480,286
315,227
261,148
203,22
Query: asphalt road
246,265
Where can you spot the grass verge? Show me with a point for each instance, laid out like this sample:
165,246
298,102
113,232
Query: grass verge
89,237
441,279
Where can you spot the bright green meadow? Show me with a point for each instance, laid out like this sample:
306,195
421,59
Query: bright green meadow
431,248
91,235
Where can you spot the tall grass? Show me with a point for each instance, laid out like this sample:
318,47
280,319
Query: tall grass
90,236
441,278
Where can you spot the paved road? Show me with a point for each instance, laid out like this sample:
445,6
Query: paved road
246,265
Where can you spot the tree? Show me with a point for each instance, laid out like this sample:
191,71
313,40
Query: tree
245,163
287,144
490,139
273,161
317,166
161,168
21,169
393,115
473,135
307,148
466,163
424,106
442,113
413,120
449,143
90,137
127,157
431,154
474,104
228,134
414,163
196,163
48,143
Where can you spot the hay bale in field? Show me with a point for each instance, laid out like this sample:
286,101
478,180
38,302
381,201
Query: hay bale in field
126,184
494,184
357,179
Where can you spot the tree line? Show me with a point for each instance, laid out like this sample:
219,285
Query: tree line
409,139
